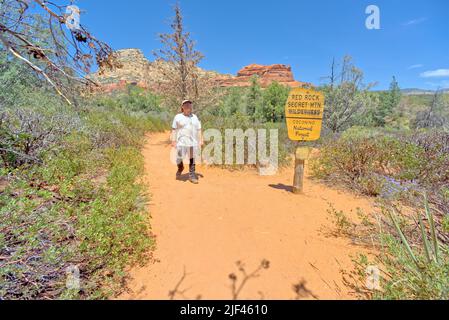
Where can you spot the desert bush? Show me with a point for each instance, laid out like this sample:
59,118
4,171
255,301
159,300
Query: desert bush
251,108
73,219
259,105
392,166
274,99
16,83
72,198
413,159
384,111
27,132
245,122
134,99
413,263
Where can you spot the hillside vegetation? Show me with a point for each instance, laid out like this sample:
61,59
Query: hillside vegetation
70,190
72,199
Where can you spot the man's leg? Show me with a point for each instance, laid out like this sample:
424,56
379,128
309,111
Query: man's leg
180,163
192,167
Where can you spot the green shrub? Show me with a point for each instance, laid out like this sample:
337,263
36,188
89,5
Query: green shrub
244,122
133,99
78,204
398,166
409,261
366,162
407,162
273,103
27,132
112,229
252,108
414,268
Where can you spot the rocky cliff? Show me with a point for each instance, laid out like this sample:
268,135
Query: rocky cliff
134,68
266,75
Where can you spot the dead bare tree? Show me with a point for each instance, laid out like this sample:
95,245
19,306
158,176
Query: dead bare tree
433,117
37,33
178,61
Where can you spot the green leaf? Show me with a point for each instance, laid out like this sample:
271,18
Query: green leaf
425,240
404,239
432,228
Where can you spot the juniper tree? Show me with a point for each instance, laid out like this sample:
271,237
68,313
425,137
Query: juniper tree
274,100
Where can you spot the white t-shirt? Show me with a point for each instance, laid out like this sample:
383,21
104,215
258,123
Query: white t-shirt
187,130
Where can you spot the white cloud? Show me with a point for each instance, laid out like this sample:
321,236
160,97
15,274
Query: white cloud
415,66
414,21
435,73
444,84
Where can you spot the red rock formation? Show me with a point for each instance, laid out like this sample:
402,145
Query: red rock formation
137,70
266,74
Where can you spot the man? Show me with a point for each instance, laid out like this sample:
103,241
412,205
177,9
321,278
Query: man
187,138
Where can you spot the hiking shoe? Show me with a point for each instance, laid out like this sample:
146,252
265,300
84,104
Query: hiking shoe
194,179
180,170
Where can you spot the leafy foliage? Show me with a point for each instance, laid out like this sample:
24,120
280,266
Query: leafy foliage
254,98
273,104
347,98
252,108
70,193
387,106
388,165
413,268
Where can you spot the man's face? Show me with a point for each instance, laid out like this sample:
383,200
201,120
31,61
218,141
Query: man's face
187,109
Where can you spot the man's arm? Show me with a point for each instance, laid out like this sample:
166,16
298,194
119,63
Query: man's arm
200,133
200,137
173,138
174,132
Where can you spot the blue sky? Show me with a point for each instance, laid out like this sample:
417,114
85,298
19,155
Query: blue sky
412,44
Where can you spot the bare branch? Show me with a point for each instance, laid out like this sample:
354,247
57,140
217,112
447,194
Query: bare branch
62,56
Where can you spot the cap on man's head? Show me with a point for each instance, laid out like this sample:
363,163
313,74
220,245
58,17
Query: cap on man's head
186,101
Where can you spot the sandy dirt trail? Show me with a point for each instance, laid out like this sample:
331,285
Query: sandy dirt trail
240,216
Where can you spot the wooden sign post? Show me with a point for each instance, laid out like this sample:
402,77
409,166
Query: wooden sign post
304,115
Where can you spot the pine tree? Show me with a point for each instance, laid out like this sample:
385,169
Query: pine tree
274,100
393,99
395,94
254,98
389,101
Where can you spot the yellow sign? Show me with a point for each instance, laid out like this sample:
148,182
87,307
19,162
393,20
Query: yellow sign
304,113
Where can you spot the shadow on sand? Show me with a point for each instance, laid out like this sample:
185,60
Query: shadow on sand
185,177
281,186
